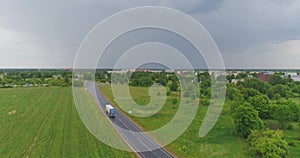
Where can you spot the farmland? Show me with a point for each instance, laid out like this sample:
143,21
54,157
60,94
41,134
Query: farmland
43,122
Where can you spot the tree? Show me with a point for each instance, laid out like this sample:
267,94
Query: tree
242,75
283,115
295,110
296,89
174,86
268,144
146,81
249,92
261,104
256,84
66,80
234,94
277,89
286,110
162,79
275,79
174,100
230,77
203,76
246,119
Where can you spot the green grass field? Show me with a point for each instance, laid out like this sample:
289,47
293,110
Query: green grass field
218,143
43,122
293,135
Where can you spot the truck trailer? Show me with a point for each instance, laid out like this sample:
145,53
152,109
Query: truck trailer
110,110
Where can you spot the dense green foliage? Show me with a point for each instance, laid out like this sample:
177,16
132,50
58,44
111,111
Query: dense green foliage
146,79
261,104
246,119
268,144
255,84
284,111
270,101
277,79
35,78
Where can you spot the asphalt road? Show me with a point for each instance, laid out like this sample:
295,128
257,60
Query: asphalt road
137,143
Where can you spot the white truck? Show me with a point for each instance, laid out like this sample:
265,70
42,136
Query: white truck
110,110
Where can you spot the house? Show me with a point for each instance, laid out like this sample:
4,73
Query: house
264,76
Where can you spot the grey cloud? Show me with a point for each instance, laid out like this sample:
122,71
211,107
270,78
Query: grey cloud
236,25
192,6
239,25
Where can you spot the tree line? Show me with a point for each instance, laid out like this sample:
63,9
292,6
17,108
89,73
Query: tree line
34,78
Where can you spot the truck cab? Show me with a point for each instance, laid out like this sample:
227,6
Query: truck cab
110,110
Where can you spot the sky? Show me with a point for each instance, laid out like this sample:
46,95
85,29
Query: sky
249,34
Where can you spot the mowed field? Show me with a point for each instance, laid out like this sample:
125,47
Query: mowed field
218,143
43,122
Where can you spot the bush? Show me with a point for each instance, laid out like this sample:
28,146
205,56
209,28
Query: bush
268,144
276,96
272,124
168,91
292,144
174,100
261,104
246,119
204,101
289,126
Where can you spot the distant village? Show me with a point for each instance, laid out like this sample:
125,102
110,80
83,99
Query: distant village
63,77
265,75
261,74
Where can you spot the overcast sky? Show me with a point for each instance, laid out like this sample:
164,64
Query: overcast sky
249,34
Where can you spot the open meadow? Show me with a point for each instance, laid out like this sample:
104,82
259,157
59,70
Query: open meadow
220,141
43,122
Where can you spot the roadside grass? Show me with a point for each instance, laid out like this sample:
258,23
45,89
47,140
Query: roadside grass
218,143
293,139
296,100
293,135
43,122
140,95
